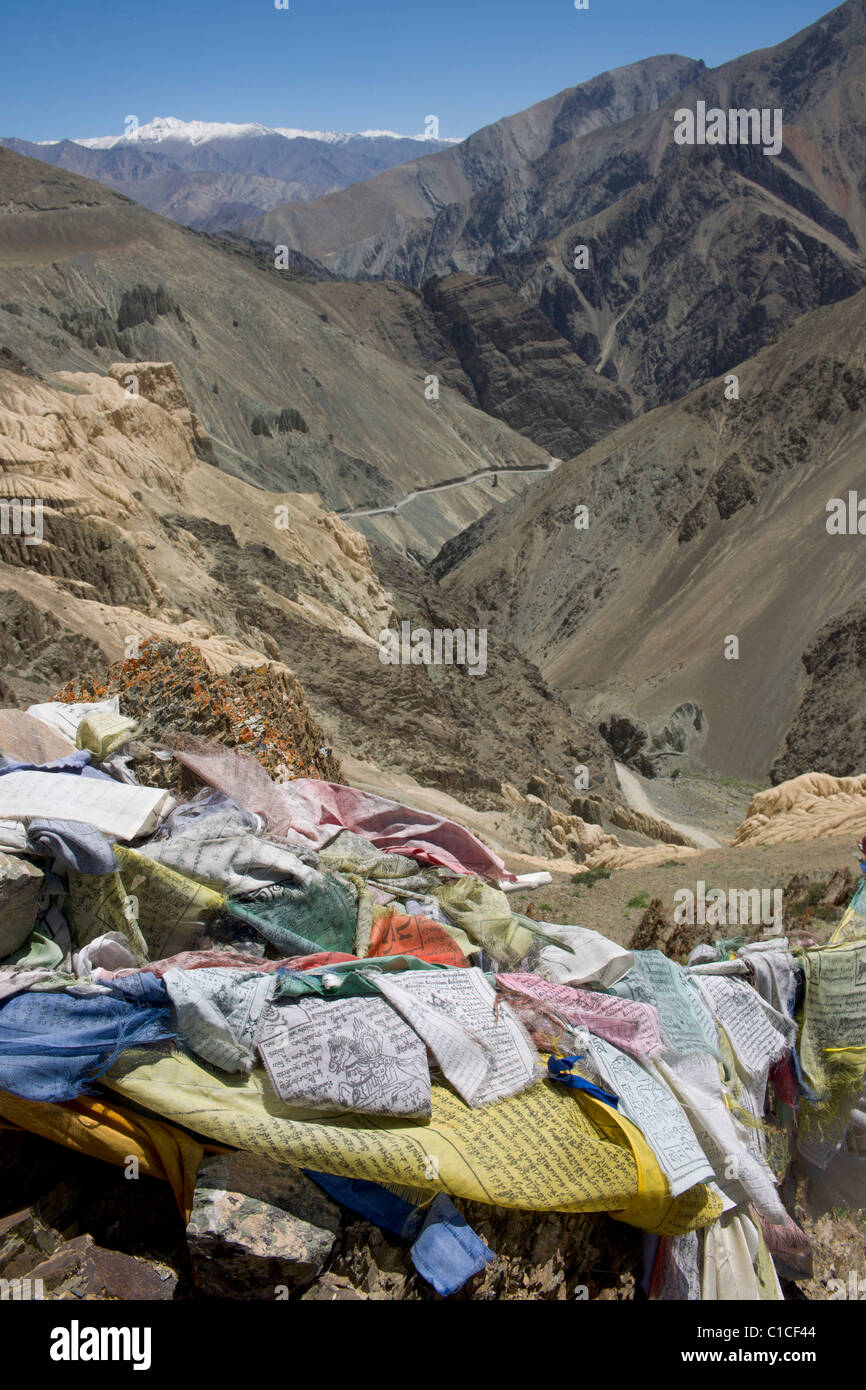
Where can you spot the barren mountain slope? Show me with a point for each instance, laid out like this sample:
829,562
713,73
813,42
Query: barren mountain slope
706,520
290,399
405,221
698,256
479,338
143,537
829,728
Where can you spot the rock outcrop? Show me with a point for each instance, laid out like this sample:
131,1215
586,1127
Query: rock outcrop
170,691
258,1229
809,807
829,728
521,369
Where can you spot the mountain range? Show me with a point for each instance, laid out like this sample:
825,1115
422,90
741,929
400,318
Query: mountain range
216,176
698,255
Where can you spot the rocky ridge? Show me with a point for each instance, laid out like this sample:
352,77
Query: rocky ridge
828,730
696,256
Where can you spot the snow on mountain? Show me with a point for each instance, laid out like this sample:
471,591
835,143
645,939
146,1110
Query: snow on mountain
163,128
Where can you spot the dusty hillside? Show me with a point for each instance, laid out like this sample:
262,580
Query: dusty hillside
431,196
144,537
480,338
706,520
291,400
829,730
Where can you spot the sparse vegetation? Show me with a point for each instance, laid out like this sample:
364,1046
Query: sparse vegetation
591,877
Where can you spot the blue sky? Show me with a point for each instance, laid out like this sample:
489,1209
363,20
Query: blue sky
79,69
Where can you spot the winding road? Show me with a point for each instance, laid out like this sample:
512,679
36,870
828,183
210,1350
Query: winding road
443,487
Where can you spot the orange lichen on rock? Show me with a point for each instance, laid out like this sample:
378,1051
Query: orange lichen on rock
168,689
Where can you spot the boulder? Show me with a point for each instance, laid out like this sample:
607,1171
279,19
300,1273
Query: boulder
25,1240
257,1228
81,1270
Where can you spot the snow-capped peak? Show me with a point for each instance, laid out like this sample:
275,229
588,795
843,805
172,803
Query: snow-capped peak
199,132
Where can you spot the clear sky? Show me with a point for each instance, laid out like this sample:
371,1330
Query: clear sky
78,69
